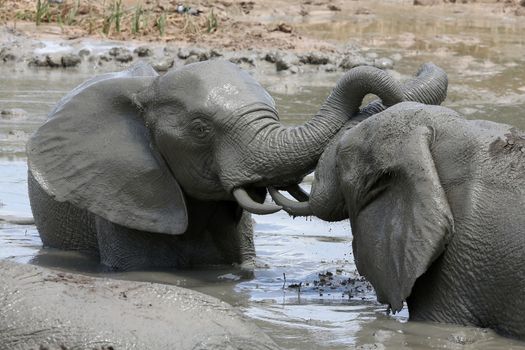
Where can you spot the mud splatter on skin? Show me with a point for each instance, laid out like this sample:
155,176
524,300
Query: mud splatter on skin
514,142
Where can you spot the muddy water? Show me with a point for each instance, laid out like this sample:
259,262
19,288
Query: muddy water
487,73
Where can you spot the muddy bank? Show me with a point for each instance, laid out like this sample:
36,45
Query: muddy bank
20,52
44,309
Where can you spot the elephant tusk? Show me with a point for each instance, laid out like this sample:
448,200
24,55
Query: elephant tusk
247,203
298,193
291,207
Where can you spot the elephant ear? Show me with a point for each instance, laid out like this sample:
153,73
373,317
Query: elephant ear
400,217
95,152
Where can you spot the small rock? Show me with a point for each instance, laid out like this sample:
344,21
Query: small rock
215,53
54,60
271,57
164,64
294,69
6,54
143,51
70,60
105,58
117,51
84,52
286,61
351,61
242,59
38,61
333,7
183,53
201,54
192,59
315,58
282,27
124,58
383,63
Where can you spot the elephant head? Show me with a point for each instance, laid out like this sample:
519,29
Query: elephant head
400,216
326,201
130,146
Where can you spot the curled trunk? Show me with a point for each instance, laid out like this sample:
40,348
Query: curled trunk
326,200
279,156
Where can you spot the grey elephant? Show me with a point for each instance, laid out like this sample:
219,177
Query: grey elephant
149,170
436,204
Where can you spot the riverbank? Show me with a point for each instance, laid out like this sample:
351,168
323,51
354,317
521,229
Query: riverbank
69,34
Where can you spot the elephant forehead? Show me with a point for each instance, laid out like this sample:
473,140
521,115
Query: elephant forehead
215,85
231,96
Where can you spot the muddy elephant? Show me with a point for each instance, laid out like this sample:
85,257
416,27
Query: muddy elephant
149,170
436,206
45,309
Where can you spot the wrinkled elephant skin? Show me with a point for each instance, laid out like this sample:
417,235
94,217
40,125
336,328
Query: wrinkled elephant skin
436,204
152,171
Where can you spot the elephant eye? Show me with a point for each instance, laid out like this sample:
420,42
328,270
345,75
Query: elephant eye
199,128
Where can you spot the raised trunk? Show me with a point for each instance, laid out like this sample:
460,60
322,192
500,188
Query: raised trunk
279,155
326,200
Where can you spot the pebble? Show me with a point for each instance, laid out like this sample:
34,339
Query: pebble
286,61
143,51
183,53
124,57
70,60
84,52
352,61
38,61
164,64
54,60
315,58
117,51
6,54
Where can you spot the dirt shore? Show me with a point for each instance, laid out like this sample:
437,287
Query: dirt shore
225,24
114,34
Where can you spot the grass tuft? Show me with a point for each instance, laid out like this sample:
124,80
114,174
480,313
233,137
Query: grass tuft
160,23
212,22
42,11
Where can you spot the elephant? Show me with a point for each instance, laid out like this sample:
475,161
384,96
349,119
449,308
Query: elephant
164,171
46,309
436,207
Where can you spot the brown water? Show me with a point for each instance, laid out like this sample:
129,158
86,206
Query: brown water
485,61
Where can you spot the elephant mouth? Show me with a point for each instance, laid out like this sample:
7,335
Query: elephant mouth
245,197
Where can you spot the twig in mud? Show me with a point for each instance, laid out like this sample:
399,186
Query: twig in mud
284,282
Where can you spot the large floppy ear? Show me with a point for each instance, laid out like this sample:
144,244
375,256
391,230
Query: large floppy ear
95,152
400,216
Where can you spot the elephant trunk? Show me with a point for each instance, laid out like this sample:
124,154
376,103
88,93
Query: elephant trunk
281,155
326,200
